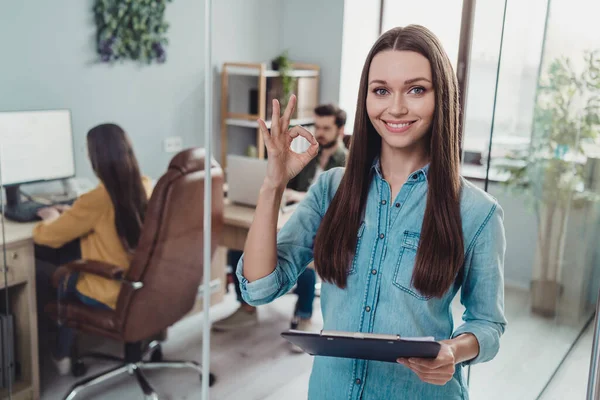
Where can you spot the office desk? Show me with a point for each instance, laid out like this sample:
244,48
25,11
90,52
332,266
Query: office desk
237,224
20,284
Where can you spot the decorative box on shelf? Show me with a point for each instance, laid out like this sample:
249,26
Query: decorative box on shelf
254,100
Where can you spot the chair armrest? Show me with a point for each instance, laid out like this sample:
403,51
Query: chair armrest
98,268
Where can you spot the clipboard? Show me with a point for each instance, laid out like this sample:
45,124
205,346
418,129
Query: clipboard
359,345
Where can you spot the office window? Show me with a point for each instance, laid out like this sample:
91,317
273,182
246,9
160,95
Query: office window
517,78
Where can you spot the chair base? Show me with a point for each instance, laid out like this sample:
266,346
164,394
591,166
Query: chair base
131,365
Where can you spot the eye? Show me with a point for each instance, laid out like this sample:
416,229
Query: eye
380,91
417,90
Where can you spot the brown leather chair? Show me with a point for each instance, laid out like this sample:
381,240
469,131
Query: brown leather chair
162,283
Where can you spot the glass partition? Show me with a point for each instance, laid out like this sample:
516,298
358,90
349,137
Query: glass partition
539,160
87,137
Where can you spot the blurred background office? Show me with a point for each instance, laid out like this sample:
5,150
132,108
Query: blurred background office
529,73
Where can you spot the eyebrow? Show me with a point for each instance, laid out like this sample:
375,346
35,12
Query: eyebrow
406,82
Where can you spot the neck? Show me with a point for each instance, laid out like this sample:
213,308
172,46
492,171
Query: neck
330,150
325,155
398,164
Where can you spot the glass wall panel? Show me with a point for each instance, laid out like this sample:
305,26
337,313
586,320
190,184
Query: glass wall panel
544,127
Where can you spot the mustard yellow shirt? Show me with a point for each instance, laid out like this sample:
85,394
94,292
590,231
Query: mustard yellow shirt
92,220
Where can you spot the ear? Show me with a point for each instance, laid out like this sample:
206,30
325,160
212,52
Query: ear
341,131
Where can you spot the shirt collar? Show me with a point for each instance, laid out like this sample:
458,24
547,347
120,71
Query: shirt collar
419,175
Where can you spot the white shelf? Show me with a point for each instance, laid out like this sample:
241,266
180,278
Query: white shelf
253,124
248,71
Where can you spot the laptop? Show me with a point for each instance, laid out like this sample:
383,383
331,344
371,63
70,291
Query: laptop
245,176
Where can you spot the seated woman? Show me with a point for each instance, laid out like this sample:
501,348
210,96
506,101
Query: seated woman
106,221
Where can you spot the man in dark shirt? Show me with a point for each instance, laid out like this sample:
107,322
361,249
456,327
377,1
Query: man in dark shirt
329,131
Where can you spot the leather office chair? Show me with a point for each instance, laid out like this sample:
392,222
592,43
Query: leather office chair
162,282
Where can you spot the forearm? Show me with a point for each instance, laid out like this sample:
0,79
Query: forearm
260,250
464,347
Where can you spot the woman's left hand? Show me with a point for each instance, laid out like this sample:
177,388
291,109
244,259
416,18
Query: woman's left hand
438,371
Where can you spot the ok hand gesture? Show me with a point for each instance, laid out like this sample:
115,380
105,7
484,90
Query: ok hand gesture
283,163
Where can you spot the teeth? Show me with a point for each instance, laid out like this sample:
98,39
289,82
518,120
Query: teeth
398,125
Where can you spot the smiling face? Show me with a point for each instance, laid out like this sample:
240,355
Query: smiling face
401,100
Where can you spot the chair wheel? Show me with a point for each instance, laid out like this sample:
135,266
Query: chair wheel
211,379
157,355
78,369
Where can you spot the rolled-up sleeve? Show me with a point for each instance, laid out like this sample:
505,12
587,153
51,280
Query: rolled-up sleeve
483,288
294,248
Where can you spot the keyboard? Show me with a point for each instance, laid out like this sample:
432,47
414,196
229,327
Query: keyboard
26,211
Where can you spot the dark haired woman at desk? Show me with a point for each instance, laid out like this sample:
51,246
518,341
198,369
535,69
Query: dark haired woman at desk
394,236
105,223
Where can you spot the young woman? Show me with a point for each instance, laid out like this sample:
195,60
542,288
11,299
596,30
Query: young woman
394,235
106,221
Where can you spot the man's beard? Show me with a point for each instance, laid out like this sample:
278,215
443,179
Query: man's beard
328,145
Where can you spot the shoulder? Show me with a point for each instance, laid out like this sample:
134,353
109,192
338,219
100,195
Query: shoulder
330,180
339,157
95,198
324,189
473,196
478,208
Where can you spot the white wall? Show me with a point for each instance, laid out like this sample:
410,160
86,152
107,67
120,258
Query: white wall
356,44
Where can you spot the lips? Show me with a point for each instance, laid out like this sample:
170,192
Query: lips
398,126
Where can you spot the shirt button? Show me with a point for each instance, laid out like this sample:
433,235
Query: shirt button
374,272
381,236
367,309
358,381
384,202
397,205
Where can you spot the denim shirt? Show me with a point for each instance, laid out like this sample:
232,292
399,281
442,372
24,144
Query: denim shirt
379,297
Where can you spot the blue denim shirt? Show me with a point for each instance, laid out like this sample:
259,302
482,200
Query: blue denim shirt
379,297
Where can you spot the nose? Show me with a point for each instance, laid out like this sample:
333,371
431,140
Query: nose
397,107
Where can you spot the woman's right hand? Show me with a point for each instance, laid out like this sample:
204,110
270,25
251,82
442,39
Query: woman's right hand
283,163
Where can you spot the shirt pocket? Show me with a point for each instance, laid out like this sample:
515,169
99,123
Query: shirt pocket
406,264
361,231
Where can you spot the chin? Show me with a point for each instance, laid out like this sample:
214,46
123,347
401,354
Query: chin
400,143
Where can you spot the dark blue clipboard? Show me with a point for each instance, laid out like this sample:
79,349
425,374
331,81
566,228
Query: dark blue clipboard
360,345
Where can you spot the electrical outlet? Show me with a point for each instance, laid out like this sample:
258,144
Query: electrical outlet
173,144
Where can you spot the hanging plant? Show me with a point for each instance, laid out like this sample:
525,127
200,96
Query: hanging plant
131,29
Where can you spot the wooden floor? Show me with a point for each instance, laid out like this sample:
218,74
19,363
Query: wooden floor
257,363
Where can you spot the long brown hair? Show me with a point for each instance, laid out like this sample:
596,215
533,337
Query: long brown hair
114,162
441,249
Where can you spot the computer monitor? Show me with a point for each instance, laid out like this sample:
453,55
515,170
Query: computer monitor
35,146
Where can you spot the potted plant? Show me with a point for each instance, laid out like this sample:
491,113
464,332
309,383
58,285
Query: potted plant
551,173
283,64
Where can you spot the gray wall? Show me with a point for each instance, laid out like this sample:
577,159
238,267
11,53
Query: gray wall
48,61
243,31
312,32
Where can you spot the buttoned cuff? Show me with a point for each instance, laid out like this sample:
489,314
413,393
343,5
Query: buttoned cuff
260,291
487,336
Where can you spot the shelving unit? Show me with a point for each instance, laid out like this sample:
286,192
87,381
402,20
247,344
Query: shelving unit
248,120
